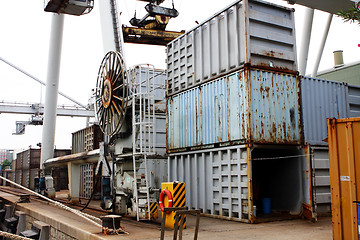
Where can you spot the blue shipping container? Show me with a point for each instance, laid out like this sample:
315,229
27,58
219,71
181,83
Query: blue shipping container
247,106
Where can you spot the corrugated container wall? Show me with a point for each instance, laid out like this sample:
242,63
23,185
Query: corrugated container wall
344,155
30,158
140,73
247,106
216,180
321,99
86,139
247,32
353,101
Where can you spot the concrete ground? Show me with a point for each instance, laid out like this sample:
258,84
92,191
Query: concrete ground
64,222
211,228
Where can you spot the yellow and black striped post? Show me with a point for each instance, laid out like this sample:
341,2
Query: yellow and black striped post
154,210
177,190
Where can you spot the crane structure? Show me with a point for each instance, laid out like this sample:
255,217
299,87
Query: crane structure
128,109
36,110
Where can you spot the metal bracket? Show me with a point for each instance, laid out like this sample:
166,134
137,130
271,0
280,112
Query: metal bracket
180,215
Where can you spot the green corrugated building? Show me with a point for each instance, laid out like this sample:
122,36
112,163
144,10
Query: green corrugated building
349,73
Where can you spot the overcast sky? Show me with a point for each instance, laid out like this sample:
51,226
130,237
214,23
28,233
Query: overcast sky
25,29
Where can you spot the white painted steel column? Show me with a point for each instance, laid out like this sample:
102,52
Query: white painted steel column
322,45
52,86
305,41
108,25
74,173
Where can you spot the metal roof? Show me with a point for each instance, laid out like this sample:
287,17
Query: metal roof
332,6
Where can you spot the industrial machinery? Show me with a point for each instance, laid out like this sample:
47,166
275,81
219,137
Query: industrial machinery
150,29
130,110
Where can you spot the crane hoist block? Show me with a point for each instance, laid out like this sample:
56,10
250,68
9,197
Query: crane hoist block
177,190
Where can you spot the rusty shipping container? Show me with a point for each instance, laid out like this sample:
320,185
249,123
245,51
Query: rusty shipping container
18,177
247,32
86,139
344,155
30,158
231,182
19,161
248,106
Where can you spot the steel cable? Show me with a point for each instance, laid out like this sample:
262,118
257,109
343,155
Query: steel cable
13,236
85,216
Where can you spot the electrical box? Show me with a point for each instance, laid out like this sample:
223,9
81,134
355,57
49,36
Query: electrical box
177,190
72,7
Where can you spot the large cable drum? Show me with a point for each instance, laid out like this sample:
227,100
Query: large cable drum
112,93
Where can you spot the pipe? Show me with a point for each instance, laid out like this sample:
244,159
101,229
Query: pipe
52,88
322,45
304,47
338,58
41,82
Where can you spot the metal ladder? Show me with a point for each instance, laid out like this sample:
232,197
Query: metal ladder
143,122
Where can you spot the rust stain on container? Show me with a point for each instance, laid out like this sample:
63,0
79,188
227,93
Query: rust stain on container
251,105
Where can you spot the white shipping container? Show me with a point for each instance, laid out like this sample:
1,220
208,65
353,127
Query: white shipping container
247,32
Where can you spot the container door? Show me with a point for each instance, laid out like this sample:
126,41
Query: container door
308,203
321,180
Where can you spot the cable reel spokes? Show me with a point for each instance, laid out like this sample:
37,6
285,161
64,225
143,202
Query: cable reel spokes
112,93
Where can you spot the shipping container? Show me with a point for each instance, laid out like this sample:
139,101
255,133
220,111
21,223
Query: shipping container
321,99
61,152
86,139
10,176
140,73
19,161
232,182
60,176
18,176
25,178
353,95
317,158
344,155
34,173
2,182
30,158
248,106
13,164
247,32
87,180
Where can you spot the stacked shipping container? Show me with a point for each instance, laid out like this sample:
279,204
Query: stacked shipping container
233,99
27,166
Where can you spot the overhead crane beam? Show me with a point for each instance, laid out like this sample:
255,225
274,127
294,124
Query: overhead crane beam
28,108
